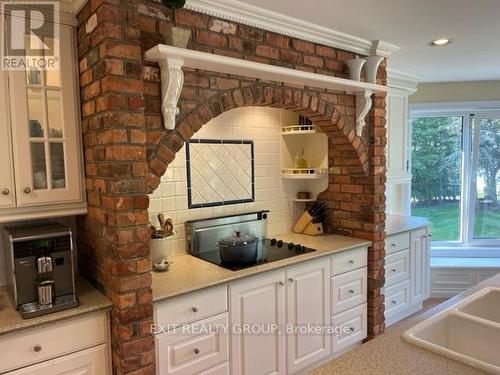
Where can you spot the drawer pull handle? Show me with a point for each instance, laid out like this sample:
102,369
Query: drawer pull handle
37,348
351,291
351,329
350,261
393,270
196,351
393,302
27,190
290,279
429,235
195,309
5,191
393,244
281,283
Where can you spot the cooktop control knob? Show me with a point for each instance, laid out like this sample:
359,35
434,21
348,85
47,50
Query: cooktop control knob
273,242
279,243
298,247
291,246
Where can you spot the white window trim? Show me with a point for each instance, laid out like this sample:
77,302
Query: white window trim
465,246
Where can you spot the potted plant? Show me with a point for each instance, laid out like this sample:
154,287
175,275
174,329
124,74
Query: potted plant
176,36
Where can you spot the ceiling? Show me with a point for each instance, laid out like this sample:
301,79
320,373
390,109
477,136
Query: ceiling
474,27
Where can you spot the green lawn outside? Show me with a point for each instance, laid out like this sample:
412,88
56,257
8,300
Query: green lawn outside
445,221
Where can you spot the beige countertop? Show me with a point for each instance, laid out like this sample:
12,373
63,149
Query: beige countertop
90,300
188,274
399,223
388,354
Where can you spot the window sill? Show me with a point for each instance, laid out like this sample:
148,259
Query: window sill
464,262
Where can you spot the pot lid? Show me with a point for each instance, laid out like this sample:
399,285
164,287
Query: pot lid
237,239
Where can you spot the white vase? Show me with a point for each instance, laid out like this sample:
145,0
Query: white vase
371,68
355,66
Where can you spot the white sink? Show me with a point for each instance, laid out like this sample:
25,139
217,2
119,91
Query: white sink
468,332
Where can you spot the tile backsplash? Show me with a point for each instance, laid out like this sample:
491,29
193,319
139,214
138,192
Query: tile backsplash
261,125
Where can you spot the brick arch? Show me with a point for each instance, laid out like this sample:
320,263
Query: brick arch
332,112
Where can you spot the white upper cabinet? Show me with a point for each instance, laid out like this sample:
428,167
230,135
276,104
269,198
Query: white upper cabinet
7,191
397,136
45,150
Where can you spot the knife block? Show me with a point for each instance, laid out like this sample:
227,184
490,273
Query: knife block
305,225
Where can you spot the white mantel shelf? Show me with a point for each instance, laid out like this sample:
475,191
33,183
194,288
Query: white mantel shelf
172,59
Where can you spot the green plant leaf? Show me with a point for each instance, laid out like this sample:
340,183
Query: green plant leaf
174,4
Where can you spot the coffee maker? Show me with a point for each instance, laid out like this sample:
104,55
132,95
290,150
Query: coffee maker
40,260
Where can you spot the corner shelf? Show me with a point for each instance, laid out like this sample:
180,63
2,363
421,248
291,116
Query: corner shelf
299,129
304,173
303,200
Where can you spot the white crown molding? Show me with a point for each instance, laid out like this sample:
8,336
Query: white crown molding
250,15
402,80
72,6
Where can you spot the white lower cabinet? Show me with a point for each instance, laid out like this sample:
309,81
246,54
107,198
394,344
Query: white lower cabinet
76,346
194,348
258,303
283,321
93,361
350,328
308,306
407,274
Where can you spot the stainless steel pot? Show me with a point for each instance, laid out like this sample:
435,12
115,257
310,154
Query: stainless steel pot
239,248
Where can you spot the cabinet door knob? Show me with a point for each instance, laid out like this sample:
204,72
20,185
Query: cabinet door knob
196,351
351,329
5,191
393,244
195,309
290,279
393,270
27,190
281,283
393,302
429,235
37,348
351,291
350,261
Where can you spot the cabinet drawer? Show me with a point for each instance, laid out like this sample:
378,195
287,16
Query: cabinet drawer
397,242
192,307
41,344
93,361
397,298
218,370
397,267
350,328
193,348
348,260
348,290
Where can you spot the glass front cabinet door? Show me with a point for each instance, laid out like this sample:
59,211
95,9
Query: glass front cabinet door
46,146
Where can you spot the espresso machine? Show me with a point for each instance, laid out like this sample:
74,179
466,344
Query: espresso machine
40,262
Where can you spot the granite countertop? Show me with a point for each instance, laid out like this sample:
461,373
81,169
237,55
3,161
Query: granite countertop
188,273
91,300
399,223
388,354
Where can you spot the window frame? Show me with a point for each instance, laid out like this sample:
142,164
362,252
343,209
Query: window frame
469,247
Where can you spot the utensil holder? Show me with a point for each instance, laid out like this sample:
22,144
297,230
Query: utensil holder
160,248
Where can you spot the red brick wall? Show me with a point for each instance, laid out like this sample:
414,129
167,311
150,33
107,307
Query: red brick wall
127,149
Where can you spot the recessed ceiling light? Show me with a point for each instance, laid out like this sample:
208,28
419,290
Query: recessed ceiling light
440,42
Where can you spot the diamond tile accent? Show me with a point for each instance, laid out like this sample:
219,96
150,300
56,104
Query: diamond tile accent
219,172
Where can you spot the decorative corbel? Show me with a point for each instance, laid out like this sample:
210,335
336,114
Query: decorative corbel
363,105
172,80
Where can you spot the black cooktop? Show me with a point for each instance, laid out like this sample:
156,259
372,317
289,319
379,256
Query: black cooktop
268,251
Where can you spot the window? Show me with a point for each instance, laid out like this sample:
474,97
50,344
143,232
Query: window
456,176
